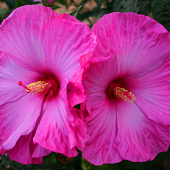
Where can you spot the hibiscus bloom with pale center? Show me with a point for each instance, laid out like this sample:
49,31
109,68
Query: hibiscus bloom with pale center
127,109
41,63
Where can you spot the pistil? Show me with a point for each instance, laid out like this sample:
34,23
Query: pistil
116,91
124,94
35,87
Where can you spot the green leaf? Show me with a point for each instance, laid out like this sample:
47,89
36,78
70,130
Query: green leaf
129,6
105,2
148,166
74,13
117,5
143,7
85,165
51,157
127,165
71,168
35,3
10,3
161,156
19,3
108,167
161,12
138,6
93,167
2,14
44,2
53,6
98,2
135,165
63,2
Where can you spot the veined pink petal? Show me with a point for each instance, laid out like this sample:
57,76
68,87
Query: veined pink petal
64,53
18,111
67,56
10,75
102,121
75,90
2,151
60,129
22,33
101,147
98,77
22,122
152,92
139,42
26,152
138,138
40,152
17,117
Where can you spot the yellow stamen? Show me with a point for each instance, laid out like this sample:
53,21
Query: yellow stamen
35,87
124,94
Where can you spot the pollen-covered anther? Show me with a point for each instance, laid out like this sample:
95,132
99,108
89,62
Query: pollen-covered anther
124,94
35,87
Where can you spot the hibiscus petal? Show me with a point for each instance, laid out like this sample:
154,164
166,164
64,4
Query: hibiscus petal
75,90
18,110
65,53
60,129
18,118
102,128
10,75
152,93
25,148
101,124
98,77
139,42
138,138
22,33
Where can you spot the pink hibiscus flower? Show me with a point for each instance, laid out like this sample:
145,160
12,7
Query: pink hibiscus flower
127,109
41,63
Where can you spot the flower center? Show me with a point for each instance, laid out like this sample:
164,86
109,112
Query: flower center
47,86
35,87
115,91
124,94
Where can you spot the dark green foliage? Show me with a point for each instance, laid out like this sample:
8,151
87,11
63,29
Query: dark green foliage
137,6
74,13
98,2
117,5
44,2
63,2
3,13
19,3
10,3
53,6
161,12
49,163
